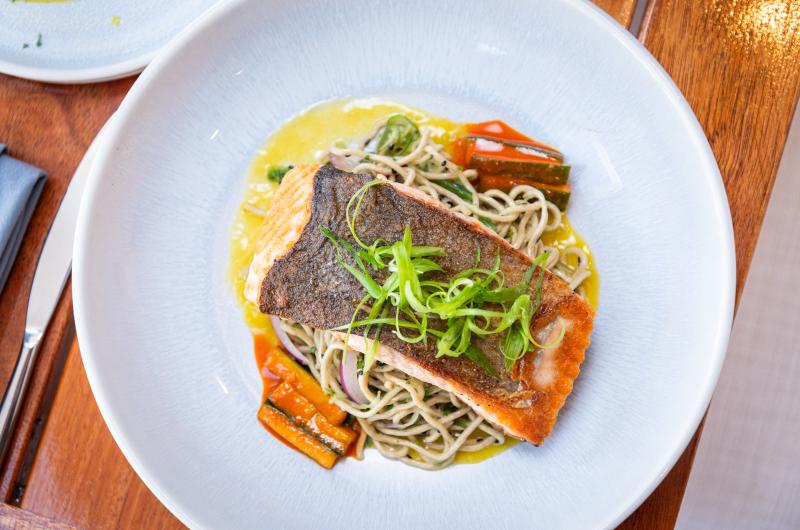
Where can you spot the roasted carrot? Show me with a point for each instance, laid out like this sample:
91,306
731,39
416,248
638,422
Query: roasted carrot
500,130
557,194
281,424
545,172
458,152
289,401
505,150
280,364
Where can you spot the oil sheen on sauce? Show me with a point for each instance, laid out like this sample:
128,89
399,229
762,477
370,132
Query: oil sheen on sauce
305,139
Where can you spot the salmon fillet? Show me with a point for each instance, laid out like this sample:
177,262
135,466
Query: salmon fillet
295,275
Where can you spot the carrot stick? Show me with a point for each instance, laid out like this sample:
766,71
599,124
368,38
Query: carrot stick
500,130
291,432
280,364
289,401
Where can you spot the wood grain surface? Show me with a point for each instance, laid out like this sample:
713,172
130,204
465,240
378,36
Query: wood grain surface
12,518
50,127
732,59
621,10
738,65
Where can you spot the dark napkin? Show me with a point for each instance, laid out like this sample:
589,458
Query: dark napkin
20,188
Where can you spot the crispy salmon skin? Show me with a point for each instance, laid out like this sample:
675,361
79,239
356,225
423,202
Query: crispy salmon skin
295,275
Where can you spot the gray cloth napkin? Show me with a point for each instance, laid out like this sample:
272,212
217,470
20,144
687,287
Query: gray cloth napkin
20,188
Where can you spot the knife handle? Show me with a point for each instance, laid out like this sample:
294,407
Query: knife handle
12,400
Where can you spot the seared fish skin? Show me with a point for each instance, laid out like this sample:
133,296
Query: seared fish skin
295,275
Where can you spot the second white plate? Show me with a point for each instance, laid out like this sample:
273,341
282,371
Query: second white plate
80,41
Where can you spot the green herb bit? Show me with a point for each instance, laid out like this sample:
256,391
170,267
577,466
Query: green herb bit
38,40
447,408
456,187
276,173
462,192
398,136
488,222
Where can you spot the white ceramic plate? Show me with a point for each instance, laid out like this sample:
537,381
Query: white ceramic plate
86,40
170,361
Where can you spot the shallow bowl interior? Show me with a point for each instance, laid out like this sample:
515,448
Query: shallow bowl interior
170,361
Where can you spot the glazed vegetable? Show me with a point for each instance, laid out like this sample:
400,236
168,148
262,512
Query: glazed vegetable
507,150
494,148
499,146
276,173
280,364
555,193
544,172
397,137
499,130
300,410
284,427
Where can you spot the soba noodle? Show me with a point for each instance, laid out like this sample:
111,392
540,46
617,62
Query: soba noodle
406,419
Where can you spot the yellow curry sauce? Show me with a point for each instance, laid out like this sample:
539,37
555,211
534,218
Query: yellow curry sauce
305,139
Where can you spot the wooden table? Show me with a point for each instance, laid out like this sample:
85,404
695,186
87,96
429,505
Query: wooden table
735,61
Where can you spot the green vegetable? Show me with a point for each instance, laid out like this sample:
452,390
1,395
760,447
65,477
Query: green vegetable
397,137
488,222
276,173
447,408
463,192
456,187
474,302
558,195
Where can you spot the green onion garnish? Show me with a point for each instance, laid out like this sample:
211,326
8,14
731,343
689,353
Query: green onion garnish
397,137
418,304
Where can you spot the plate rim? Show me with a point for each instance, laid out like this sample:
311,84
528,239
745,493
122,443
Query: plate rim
718,203
68,76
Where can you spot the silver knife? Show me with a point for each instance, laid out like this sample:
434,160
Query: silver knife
52,271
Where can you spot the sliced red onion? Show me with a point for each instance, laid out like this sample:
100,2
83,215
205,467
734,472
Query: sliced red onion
343,163
348,375
286,341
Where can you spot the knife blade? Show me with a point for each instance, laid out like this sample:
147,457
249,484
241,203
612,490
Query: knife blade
52,270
